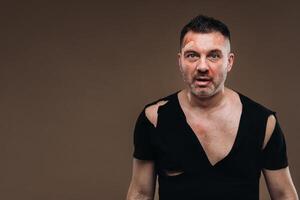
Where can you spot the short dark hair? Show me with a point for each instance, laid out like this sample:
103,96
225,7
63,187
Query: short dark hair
204,24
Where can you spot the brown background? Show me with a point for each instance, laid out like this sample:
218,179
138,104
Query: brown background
74,76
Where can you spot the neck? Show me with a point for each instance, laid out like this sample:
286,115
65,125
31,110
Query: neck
205,103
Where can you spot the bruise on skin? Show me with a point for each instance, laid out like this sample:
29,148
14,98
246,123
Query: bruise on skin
188,45
215,38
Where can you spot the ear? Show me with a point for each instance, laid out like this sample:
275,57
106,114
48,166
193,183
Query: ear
230,61
179,61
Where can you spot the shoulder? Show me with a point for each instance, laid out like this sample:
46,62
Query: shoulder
152,108
151,111
261,112
255,107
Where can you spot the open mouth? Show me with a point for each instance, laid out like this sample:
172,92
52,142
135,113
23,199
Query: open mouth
203,81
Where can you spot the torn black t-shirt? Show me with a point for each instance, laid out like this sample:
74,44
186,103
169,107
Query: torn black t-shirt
172,145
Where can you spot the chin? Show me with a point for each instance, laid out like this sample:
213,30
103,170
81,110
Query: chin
202,92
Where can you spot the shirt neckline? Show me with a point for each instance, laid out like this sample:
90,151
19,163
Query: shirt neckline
197,141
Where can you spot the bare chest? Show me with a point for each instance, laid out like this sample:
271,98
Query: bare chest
216,134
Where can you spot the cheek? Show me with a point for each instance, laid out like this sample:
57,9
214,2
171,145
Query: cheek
217,69
188,67
187,71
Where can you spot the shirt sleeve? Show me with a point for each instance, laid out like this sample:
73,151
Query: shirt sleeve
274,155
143,148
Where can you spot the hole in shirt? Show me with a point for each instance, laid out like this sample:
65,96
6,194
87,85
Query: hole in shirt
151,111
173,172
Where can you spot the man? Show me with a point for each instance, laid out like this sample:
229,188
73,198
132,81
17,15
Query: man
208,141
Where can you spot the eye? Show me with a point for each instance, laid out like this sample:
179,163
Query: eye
192,56
214,56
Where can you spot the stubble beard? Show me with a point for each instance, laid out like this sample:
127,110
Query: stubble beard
208,91
202,92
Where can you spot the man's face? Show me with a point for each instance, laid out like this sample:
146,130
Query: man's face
204,61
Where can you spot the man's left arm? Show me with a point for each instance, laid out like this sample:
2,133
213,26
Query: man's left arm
280,185
279,181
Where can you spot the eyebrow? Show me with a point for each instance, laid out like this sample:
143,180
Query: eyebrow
211,51
190,51
215,51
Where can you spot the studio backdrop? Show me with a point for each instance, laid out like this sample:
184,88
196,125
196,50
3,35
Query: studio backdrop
75,75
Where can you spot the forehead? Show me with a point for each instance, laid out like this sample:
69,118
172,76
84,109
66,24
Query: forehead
205,41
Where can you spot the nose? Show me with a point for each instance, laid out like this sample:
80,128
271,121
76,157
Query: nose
202,65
